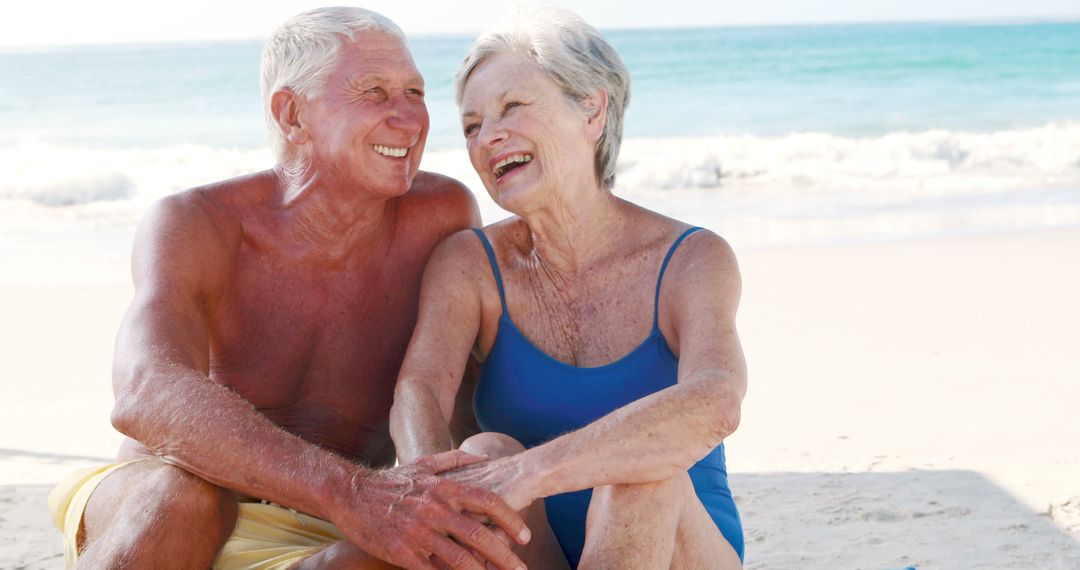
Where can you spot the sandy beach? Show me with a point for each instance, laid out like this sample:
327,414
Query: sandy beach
911,404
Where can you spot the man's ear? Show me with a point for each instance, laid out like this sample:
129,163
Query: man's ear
285,109
595,106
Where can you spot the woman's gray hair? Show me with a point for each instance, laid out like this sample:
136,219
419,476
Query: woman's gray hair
576,57
301,52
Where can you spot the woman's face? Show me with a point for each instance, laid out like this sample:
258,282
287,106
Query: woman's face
526,139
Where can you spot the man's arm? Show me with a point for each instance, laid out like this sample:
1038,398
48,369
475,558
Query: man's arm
164,396
166,400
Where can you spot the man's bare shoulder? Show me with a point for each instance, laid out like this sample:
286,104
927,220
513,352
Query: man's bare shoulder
429,184
200,227
443,199
218,207
234,198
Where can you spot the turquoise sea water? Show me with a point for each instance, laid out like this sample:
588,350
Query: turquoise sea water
847,80
770,135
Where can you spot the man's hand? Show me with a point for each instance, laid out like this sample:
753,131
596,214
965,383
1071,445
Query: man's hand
412,517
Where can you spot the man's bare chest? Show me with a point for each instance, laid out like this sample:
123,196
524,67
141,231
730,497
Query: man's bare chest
281,335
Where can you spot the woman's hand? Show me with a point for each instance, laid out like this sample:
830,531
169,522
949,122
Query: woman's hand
504,477
412,517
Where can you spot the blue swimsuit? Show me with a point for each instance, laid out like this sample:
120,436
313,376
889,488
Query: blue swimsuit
534,398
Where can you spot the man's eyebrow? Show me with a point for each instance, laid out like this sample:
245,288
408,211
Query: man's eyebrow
367,78
375,77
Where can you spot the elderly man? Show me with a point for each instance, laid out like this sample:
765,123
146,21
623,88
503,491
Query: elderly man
257,361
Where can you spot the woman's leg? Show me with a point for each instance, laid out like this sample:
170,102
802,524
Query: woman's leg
543,550
653,525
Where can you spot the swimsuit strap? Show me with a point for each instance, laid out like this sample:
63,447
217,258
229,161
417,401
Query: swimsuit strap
494,268
660,279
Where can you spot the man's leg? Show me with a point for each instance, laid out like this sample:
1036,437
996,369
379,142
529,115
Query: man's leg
149,514
653,525
343,555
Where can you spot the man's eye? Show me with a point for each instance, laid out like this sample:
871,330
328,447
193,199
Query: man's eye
415,92
512,105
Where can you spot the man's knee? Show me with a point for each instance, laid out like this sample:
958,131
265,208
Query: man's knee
192,498
152,494
492,444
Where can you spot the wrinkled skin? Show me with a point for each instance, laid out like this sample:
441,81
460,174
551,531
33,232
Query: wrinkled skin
259,355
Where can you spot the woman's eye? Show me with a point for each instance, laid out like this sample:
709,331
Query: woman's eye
471,128
511,105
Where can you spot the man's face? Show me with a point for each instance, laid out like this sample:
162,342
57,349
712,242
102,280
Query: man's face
368,127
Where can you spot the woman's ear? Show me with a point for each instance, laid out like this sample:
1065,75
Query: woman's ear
595,106
285,109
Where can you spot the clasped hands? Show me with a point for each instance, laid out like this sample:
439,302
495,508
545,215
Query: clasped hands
448,510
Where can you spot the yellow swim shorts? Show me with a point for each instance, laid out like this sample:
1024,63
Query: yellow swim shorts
266,537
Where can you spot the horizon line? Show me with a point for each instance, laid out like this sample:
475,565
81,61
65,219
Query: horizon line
974,21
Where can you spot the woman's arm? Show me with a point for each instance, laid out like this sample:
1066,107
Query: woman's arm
664,433
446,330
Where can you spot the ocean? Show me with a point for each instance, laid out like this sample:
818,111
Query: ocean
771,136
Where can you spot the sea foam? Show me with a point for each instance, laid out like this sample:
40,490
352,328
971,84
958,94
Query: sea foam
901,164
755,190
53,175
898,166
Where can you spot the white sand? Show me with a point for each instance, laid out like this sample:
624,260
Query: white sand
56,397
911,404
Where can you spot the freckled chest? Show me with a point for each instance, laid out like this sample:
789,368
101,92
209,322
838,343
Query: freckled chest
588,320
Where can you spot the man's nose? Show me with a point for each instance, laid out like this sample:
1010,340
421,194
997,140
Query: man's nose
407,115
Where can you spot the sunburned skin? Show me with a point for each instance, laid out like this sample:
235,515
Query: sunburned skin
259,354
316,346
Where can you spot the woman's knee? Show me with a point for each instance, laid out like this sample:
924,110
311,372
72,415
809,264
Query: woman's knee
492,444
669,492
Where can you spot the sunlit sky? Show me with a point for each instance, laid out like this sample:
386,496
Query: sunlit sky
32,22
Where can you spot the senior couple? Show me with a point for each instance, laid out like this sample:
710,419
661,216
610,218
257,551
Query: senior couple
296,330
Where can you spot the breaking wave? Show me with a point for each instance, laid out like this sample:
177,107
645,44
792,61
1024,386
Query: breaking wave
756,190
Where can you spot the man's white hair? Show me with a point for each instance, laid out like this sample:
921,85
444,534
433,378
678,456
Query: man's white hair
301,52
574,55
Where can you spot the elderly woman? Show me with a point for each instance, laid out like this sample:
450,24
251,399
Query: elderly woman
611,369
